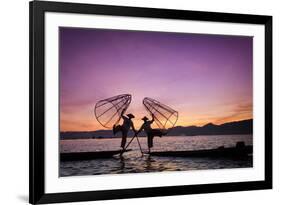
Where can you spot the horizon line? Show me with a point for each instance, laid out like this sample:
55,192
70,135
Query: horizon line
173,127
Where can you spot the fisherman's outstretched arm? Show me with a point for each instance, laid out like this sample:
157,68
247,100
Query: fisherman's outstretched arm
122,115
152,119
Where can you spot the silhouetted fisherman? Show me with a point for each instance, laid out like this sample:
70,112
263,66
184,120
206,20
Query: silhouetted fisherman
151,133
125,127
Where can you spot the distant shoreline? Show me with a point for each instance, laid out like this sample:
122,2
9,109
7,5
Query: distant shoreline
105,138
231,128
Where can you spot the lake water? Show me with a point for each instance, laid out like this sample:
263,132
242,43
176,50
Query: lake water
132,162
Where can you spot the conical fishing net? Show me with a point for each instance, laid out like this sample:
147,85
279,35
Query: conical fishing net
108,111
164,116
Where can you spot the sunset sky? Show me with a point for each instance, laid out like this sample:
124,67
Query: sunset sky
206,78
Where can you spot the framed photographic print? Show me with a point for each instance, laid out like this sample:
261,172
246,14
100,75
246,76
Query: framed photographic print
139,102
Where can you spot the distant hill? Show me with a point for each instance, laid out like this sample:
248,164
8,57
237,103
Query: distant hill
238,127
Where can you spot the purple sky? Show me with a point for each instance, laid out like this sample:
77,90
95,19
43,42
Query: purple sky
207,78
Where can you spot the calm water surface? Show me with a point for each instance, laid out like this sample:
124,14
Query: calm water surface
132,162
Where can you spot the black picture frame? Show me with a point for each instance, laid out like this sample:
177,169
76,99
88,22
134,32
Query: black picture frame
37,194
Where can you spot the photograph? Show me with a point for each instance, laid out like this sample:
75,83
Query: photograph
135,101
132,102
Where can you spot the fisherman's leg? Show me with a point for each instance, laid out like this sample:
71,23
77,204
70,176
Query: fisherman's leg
123,142
157,132
164,132
124,139
149,142
152,136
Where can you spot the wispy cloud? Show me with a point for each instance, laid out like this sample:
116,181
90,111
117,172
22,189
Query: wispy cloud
239,112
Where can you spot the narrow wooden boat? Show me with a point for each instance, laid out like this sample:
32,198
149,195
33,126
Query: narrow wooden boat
238,151
74,156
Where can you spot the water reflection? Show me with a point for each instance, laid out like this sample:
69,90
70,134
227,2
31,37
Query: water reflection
134,162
